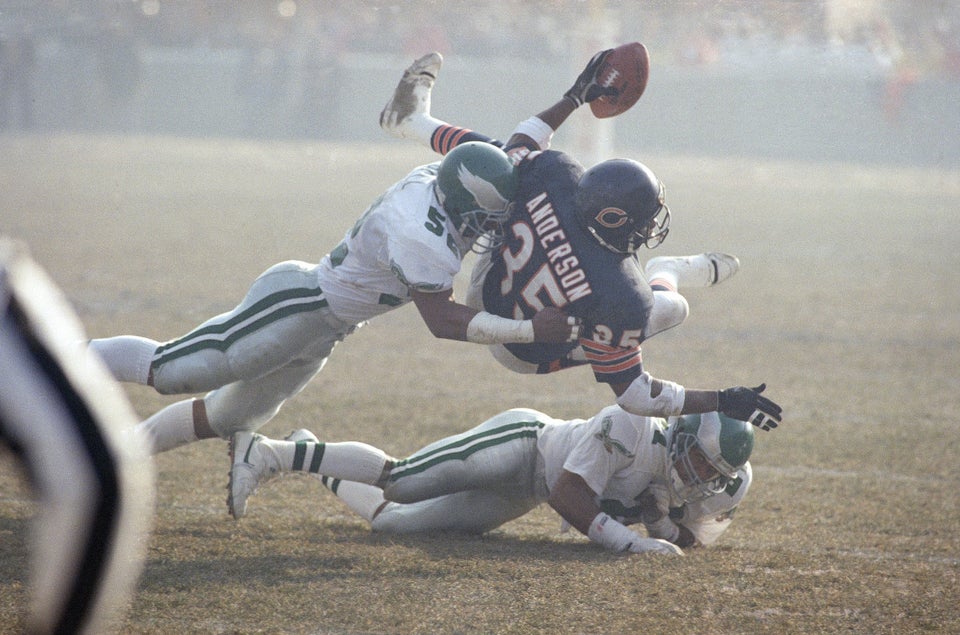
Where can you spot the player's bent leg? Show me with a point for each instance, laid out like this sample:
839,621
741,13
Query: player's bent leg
364,500
702,270
670,309
283,318
474,512
255,459
127,356
171,427
499,452
245,406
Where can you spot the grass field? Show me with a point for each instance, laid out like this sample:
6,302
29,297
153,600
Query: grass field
847,305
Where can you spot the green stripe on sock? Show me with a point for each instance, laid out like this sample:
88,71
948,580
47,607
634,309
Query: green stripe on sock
298,455
318,450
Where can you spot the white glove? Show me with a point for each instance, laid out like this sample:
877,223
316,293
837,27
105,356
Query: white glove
655,545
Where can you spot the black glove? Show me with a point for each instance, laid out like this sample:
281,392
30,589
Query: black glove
586,88
746,404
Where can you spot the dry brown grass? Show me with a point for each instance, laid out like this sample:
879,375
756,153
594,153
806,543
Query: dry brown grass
848,306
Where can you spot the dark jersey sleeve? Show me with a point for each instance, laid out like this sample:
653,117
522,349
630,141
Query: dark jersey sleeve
547,259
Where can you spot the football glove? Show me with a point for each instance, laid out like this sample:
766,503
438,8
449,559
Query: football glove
747,404
586,88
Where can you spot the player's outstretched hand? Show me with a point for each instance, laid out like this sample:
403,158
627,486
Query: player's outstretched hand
655,545
747,404
586,88
553,326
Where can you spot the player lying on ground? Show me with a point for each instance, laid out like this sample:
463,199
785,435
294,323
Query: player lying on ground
407,246
681,478
571,241
68,422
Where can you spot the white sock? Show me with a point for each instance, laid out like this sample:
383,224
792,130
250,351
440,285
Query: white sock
362,499
170,428
423,126
350,461
127,356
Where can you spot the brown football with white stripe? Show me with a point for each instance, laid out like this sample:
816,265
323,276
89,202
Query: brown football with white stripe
627,69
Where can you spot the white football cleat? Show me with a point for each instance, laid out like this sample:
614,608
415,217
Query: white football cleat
301,435
410,104
252,462
702,270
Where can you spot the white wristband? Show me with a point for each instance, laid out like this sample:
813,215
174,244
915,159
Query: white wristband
612,534
537,129
487,328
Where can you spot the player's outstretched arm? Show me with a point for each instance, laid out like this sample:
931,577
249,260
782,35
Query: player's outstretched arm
651,397
448,319
535,133
573,499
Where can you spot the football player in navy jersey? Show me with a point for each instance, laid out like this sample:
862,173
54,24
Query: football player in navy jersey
570,242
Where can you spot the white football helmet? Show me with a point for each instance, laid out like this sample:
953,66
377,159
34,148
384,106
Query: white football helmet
705,452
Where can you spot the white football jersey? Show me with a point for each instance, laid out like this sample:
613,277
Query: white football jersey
618,454
403,241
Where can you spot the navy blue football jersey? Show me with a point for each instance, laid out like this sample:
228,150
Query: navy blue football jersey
547,259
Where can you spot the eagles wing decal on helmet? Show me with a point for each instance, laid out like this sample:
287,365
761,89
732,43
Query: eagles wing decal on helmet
483,191
475,184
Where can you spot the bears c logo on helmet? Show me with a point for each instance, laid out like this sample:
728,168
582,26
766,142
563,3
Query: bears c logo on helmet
612,217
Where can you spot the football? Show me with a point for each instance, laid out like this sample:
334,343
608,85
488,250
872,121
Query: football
626,69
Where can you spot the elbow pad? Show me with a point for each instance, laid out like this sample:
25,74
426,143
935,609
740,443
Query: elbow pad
637,398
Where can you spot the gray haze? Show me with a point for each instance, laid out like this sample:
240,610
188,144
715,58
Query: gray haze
873,81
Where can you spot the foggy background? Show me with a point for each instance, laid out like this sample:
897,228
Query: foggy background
872,81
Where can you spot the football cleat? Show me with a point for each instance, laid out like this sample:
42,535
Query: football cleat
301,435
702,270
411,98
252,462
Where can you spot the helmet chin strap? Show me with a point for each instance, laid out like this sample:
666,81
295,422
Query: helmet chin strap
597,237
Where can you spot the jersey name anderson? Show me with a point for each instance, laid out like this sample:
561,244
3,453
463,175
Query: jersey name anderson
560,257
548,259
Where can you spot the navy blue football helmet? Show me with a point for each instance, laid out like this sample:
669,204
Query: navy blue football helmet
620,202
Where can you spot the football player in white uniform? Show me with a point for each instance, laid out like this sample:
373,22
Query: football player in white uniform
69,423
681,478
407,246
